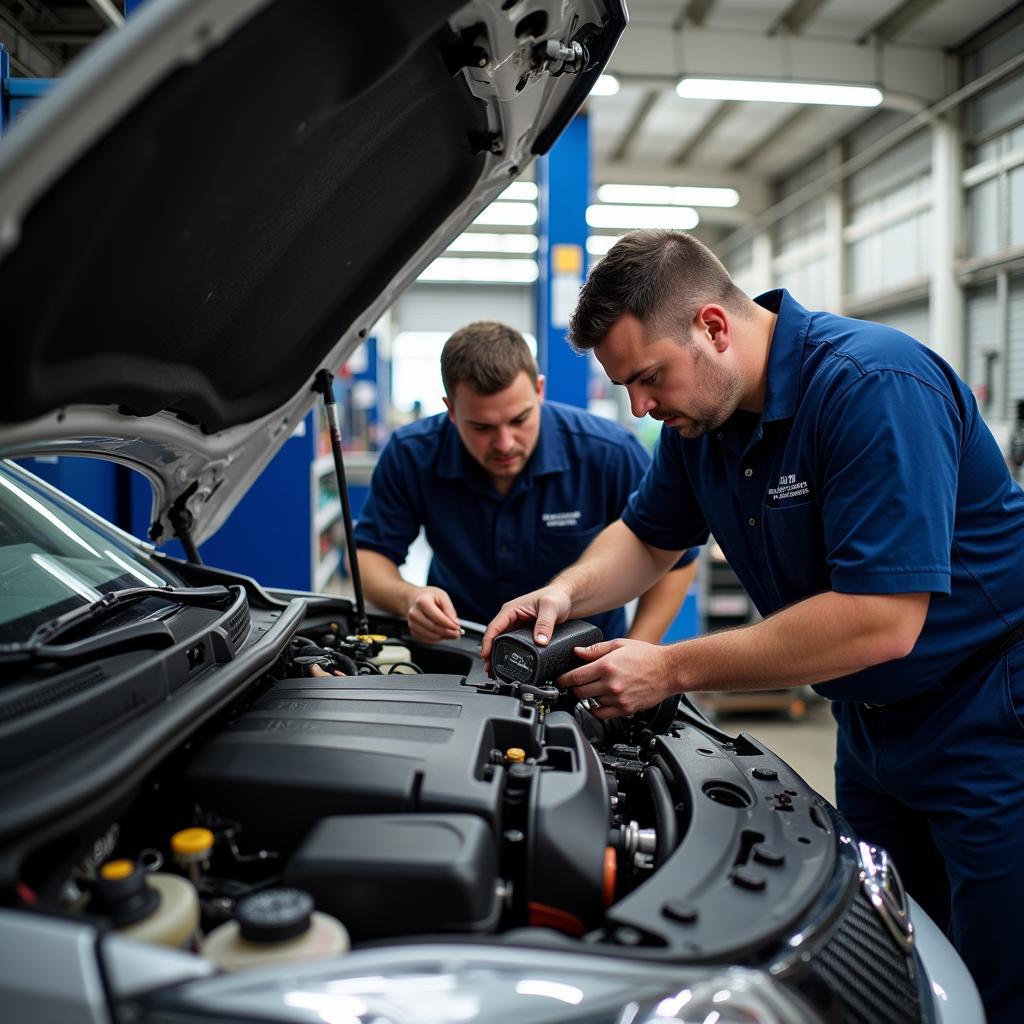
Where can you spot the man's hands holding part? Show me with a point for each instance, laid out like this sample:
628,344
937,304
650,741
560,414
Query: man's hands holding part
622,676
432,616
549,606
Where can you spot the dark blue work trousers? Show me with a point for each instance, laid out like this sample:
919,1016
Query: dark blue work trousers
941,788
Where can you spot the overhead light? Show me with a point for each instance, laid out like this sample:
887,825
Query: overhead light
778,92
480,241
508,214
480,271
606,85
520,190
599,245
668,195
628,217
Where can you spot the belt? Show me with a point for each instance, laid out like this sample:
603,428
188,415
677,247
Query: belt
960,673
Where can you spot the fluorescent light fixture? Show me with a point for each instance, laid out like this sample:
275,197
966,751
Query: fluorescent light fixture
520,190
778,92
629,217
480,241
515,215
598,245
606,85
668,195
481,271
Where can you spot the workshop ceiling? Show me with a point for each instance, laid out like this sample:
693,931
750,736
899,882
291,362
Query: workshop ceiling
646,133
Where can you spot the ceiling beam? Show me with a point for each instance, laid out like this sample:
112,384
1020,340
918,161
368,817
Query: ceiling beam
746,159
795,17
898,21
688,148
29,55
643,110
693,13
654,56
108,12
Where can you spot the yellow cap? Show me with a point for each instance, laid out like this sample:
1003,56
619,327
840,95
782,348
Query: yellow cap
192,842
516,755
371,638
116,869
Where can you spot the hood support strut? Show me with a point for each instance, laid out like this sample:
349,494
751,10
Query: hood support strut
182,520
324,383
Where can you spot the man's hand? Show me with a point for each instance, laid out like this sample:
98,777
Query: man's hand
432,616
318,672
548,606
623,676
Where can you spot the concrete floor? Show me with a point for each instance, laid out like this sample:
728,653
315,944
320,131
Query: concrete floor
807,746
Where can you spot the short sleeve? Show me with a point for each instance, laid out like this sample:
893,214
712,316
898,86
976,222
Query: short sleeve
890,455
389,523
664,512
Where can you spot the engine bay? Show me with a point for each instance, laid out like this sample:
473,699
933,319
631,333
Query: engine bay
415,796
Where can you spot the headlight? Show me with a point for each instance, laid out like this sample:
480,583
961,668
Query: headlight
734,996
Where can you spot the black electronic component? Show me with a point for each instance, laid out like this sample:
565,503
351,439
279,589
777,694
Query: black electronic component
516,657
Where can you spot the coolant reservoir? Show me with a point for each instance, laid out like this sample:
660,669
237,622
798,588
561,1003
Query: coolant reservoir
390,654
394,654
272,927
159,908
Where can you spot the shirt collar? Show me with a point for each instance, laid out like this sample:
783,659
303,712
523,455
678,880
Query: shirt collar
786,357
550,456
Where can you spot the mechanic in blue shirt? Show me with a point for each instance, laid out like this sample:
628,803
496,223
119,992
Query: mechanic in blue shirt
510,490
847,474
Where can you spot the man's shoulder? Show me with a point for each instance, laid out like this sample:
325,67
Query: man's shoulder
421,433
851,349
588,427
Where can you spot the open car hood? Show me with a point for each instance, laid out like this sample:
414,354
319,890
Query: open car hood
225,195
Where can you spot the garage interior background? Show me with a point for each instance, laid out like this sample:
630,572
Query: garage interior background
908,211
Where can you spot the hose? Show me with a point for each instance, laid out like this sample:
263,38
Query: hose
664,814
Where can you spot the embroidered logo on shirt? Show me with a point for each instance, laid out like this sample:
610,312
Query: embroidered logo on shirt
561,518
788,488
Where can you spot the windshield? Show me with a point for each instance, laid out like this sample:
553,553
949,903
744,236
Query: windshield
54,558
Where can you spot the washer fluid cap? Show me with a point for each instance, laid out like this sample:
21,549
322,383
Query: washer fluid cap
372,638
191,843
274,915
516,755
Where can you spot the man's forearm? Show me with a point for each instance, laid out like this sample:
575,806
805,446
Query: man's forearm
615,568
659,605
821,638
383,584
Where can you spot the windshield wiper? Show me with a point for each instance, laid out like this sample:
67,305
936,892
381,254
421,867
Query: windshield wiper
41,644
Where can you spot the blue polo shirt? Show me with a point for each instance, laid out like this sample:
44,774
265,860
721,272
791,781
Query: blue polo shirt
870,471
488,549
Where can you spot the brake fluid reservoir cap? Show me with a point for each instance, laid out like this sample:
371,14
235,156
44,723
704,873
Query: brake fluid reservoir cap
121,893
192,843
516,755
371,638
114,870
274,915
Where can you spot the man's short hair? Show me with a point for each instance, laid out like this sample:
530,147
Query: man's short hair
660,277
487,356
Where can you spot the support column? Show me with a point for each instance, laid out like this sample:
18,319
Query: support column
762,253
946,310
835,221
563,182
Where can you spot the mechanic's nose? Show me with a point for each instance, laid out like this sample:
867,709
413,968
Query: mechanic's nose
639,403
504,440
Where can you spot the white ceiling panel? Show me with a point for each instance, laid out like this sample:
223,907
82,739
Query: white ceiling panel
746,15
845,20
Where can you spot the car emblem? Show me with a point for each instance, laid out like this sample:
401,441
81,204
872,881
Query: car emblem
882,886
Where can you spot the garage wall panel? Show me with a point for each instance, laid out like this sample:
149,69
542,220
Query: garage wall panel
984,341
441,307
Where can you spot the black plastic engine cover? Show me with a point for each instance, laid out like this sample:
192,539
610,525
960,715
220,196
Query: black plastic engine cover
309,749
401,874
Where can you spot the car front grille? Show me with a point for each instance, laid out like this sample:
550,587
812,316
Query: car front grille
869,979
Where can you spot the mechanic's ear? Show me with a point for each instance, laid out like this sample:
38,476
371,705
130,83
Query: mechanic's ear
541,381
449,405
